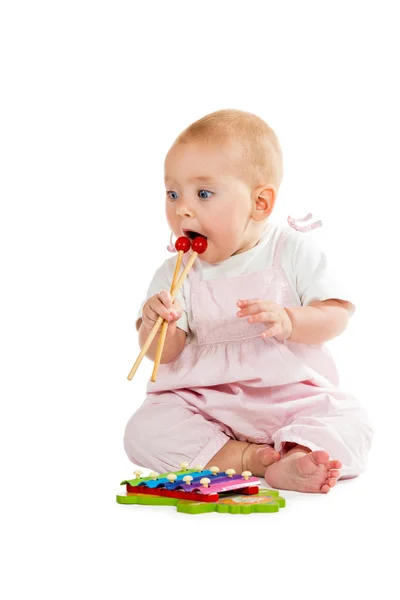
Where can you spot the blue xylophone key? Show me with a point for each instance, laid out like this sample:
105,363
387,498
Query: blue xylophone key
153,482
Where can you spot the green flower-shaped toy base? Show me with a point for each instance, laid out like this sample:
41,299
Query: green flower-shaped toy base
265,501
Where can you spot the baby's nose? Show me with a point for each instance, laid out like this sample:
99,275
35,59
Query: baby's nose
183,210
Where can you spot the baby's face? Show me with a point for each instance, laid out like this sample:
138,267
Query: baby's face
205,196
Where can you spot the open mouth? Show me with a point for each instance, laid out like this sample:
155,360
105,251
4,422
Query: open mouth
193,234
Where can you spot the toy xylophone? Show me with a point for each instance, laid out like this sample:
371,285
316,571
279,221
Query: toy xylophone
198,490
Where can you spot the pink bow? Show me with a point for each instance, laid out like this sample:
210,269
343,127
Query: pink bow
171,247
294,223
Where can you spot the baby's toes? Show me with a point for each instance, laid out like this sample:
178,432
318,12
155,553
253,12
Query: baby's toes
333,473
320,457
325,488
332,476
334,464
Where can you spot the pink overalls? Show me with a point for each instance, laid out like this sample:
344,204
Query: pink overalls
230,383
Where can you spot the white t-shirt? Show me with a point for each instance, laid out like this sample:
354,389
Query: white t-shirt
305,265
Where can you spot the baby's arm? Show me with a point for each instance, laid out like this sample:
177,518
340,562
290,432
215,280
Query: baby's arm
321,288
318,322
324,312
161,305
315,323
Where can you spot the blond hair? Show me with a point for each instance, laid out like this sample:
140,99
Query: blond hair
261,149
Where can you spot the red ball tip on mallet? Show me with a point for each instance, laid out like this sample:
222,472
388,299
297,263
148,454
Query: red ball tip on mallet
182,244
199,245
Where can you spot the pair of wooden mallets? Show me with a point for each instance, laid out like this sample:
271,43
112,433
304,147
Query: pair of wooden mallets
182,245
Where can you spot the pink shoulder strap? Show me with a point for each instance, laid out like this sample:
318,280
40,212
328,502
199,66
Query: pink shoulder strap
279,248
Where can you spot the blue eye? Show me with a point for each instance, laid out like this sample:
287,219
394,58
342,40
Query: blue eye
172,195
203,196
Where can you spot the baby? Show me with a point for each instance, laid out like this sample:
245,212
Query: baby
245,381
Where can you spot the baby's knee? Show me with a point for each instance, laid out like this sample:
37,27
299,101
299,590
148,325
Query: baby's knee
143,439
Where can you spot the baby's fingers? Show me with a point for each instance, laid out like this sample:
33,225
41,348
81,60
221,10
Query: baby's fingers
163,305
245,303
275,329
264,317
177,309
253,309
166,299
158,307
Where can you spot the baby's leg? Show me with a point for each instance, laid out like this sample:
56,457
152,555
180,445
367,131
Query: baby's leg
166,431
328,437
244,456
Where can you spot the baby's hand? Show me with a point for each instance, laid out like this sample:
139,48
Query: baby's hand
161,305
264,311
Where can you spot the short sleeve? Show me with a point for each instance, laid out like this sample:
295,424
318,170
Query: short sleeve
317,279
162,281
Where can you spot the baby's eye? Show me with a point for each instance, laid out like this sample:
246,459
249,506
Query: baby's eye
203,194
172,195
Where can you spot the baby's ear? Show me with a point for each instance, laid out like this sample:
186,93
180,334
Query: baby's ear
263,202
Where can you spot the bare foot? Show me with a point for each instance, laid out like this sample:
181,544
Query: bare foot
256,458
311,472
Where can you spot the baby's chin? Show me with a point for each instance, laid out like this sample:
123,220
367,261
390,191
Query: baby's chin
210,256
213,255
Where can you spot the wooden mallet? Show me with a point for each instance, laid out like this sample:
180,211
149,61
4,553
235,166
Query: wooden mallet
199,245
182,244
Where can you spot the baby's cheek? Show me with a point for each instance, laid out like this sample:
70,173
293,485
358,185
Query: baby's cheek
225,234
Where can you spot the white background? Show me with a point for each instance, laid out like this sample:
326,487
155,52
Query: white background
93,94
